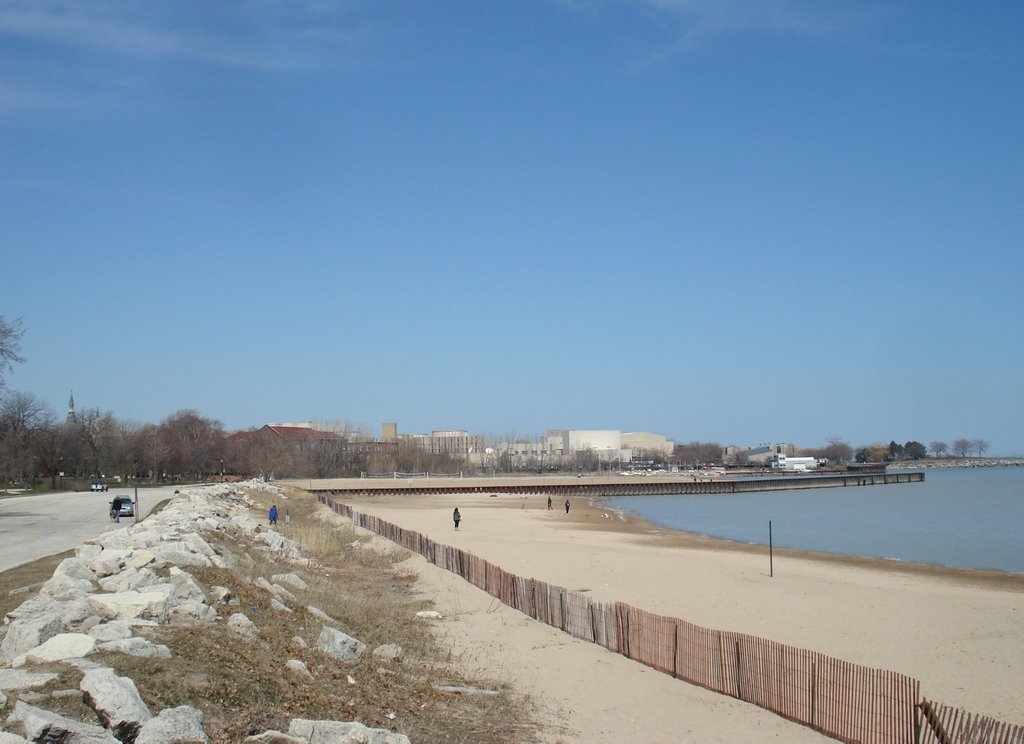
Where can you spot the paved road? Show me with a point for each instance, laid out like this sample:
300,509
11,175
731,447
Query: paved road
33,527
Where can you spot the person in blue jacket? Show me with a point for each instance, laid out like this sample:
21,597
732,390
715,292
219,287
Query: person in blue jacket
272,517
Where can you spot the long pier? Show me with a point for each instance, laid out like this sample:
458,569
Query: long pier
602,486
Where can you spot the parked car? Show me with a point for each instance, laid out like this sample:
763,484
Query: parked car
98,485
124,505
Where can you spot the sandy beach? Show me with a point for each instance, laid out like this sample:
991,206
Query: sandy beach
959,632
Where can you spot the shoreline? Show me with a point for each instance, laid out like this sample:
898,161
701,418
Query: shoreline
658,534
956,630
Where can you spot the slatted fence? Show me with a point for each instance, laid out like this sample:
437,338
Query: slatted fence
944,724
847,701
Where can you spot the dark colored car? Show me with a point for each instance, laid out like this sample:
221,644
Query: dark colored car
98,485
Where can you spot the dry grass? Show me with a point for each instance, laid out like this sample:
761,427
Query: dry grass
242,685
19,583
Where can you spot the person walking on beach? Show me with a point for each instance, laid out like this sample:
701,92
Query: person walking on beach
272,517
567,506
549,503
456,517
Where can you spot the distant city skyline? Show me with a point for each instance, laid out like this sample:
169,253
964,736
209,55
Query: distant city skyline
737,222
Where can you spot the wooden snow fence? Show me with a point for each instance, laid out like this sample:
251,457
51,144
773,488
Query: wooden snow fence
847,701
944,724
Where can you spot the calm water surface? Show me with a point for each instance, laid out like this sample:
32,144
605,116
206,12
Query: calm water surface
968,518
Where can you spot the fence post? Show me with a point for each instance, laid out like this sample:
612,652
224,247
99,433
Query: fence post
814,682
739,691
933,721
675,651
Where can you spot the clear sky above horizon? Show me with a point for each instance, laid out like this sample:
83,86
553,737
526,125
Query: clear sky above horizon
721,220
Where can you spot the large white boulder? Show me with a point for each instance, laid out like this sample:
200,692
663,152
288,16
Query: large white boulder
76,568
150,605
61,646
340,645
88,552
297,666
104,566
137,647
43,726
342,732
62,586
140,558
181,558
241,624
244,522
129,579
116,701
112,631
194,609
291,579
27,633
185,585
275,589
197,544
23,679
181,725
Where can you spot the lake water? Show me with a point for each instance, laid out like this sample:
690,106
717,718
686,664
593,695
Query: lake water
967,518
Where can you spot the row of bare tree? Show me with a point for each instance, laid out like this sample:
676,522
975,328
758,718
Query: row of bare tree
37,446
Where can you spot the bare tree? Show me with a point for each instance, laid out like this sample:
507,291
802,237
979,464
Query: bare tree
152,450
10,346
54,448
194,443
938,449
326,456
22,417
962,446
980,446
97,432
125,458
699,453
260,452
835,451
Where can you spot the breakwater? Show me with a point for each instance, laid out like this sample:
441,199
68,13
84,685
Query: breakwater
605,486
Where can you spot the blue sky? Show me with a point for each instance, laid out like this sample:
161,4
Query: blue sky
713,219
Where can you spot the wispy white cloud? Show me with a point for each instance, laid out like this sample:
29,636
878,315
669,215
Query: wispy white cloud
691,24
708,17
248,34
63,56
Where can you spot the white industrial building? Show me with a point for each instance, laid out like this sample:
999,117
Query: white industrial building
789,462
557,447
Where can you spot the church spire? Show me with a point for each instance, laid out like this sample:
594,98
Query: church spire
71,406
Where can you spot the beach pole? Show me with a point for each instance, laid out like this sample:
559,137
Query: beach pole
771,552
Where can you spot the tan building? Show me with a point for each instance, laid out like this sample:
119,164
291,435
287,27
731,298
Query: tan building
653,444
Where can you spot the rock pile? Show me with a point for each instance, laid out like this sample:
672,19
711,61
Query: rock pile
136,577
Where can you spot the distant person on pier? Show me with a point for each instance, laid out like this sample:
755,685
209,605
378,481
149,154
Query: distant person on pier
549,503
567,506
456,517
